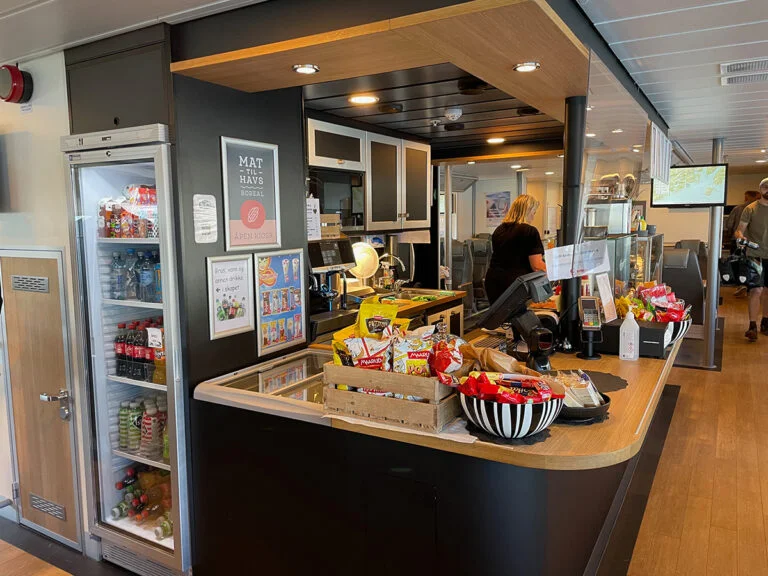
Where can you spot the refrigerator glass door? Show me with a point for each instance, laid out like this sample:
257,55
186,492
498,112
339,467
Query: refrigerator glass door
127,282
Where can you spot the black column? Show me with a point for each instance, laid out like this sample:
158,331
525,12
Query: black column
575,123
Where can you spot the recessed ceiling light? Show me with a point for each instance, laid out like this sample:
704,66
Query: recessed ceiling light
549,173
636,150
637,145
306,69
471,162
590,108
561,155
527,67
495,140
760,161
617,131
516,166
363,99
763,151
591,134
523,169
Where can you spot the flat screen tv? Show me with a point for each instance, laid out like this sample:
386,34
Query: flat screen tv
691,187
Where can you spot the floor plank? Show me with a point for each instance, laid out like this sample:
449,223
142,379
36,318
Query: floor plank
16,562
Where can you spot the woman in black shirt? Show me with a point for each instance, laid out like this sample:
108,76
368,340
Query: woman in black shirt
517,248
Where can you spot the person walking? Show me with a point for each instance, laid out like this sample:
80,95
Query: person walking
732,223
753,226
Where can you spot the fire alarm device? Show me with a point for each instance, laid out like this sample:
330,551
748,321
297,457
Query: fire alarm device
15,85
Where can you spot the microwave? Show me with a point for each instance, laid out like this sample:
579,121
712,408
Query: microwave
340,192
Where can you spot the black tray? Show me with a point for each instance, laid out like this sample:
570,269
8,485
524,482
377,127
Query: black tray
586,414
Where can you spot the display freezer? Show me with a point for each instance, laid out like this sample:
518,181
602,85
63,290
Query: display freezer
129,345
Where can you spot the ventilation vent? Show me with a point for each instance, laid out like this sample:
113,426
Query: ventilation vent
137,564
51,508
743,79
744,67
29,283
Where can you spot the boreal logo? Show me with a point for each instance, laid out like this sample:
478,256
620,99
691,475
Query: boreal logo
136,421
252,214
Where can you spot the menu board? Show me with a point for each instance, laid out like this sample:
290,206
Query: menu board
280,302
251,194
230,295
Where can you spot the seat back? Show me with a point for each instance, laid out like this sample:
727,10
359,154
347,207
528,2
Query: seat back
681,271
699,249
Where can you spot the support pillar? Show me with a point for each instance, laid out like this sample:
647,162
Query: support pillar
713,275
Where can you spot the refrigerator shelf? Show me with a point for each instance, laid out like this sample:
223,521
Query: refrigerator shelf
130,241
139,458
133,304
142,531
133,382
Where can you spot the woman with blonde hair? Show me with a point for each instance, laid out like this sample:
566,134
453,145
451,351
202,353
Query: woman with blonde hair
517,247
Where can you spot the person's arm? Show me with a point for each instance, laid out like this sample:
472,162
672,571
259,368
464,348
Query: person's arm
537,262
536,255
739,234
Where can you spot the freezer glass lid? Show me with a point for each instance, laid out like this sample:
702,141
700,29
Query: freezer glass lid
281,375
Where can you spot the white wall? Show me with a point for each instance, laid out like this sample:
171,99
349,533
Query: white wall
740,183
463,207
33,195
488,186
678,224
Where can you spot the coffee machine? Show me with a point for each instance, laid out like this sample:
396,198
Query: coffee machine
327,301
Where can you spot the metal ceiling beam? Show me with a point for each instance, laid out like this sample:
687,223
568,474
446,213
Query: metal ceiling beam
580,24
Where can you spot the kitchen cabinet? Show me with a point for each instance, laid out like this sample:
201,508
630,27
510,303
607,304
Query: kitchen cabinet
333,146
417,185
384,183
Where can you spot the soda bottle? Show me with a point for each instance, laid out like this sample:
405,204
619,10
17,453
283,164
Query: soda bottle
166,445
129,479
139,352
164,527
123,417
134,427
129,339
158,377
147,279
131,280
158,296
149,359
120,350
120,510
150,429
117,277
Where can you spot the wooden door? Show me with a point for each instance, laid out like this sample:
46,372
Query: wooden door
36,365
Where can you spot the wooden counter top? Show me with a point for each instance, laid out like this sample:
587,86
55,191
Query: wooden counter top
568,446
408,310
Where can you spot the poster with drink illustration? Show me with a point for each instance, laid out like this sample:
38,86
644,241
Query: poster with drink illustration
230,295
281,314
251,194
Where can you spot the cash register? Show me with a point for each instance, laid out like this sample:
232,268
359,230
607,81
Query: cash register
327,304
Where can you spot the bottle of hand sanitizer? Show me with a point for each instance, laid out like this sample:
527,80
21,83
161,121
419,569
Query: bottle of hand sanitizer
629,338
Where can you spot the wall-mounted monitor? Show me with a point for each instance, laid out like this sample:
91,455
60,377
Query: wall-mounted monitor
691,187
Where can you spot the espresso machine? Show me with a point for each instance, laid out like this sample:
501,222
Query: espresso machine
329,260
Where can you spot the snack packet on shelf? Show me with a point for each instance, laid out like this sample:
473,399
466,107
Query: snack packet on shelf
374,318
367,353
446,358
491,360
411,352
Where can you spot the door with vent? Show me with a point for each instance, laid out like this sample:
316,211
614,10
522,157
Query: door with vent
37,373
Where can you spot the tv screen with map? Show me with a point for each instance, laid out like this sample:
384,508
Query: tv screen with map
691,187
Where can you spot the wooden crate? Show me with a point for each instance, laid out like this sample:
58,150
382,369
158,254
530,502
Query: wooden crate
432,416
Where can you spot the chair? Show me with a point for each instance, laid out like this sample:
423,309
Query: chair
461,265
681,271
481,250
699,248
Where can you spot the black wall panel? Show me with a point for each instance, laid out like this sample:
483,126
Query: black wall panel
277,20
204,113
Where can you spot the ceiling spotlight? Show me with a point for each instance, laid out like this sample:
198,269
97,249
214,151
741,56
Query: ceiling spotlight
516,166
637,145
471,162
590,108
306,69
617,131
636,150
561,155
761,161
523,169
591,134
363,99
549,173
495,140
763,151
527,67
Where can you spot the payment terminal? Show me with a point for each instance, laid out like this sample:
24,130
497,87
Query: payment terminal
591,326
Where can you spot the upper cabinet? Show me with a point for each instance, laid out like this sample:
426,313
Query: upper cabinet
417,184
332,146
384,183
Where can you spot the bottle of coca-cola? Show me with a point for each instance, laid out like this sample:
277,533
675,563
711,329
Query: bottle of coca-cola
120,350
130,338
139,352
149,358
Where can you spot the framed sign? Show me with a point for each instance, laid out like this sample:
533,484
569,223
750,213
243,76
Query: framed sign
280,305
230,295
251,194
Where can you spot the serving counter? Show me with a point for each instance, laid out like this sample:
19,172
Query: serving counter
386,500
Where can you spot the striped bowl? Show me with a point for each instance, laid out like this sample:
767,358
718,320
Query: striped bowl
680,329
510,420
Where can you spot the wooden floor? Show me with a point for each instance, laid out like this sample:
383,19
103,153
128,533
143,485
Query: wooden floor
707,513
16,562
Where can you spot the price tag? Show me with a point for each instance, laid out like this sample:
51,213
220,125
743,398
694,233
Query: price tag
155,337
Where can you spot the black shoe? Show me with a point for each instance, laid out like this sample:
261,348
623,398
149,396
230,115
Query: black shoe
751,334
764,326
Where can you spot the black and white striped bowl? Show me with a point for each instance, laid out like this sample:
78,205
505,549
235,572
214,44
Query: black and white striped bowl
680,329
510,420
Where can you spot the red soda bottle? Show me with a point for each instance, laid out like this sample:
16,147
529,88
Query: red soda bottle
149,359
139,345
120,349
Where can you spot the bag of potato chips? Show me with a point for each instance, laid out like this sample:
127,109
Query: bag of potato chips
374,318
411,352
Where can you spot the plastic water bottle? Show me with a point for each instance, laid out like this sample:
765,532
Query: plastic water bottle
147,279
158,296
629,338
131,280
124,416
117,277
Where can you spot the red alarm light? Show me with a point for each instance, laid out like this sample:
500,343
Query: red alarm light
15,85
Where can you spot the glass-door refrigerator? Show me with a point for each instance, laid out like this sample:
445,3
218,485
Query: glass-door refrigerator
129,343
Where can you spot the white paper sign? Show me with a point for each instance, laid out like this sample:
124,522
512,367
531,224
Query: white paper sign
313,219
205,219
26,108
606,296
154,338
230,295
575,261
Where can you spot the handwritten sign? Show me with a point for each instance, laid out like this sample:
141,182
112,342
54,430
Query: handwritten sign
230,295
251,194
575,261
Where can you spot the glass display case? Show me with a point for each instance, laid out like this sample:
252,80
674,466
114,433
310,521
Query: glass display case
619,253
646,259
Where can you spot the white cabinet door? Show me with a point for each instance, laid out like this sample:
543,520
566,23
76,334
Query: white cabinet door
417,184
332,146
384,183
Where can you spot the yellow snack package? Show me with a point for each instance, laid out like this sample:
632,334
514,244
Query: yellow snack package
375,318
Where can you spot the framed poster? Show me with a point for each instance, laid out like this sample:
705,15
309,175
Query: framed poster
230,295
251,194
496,207
280,307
